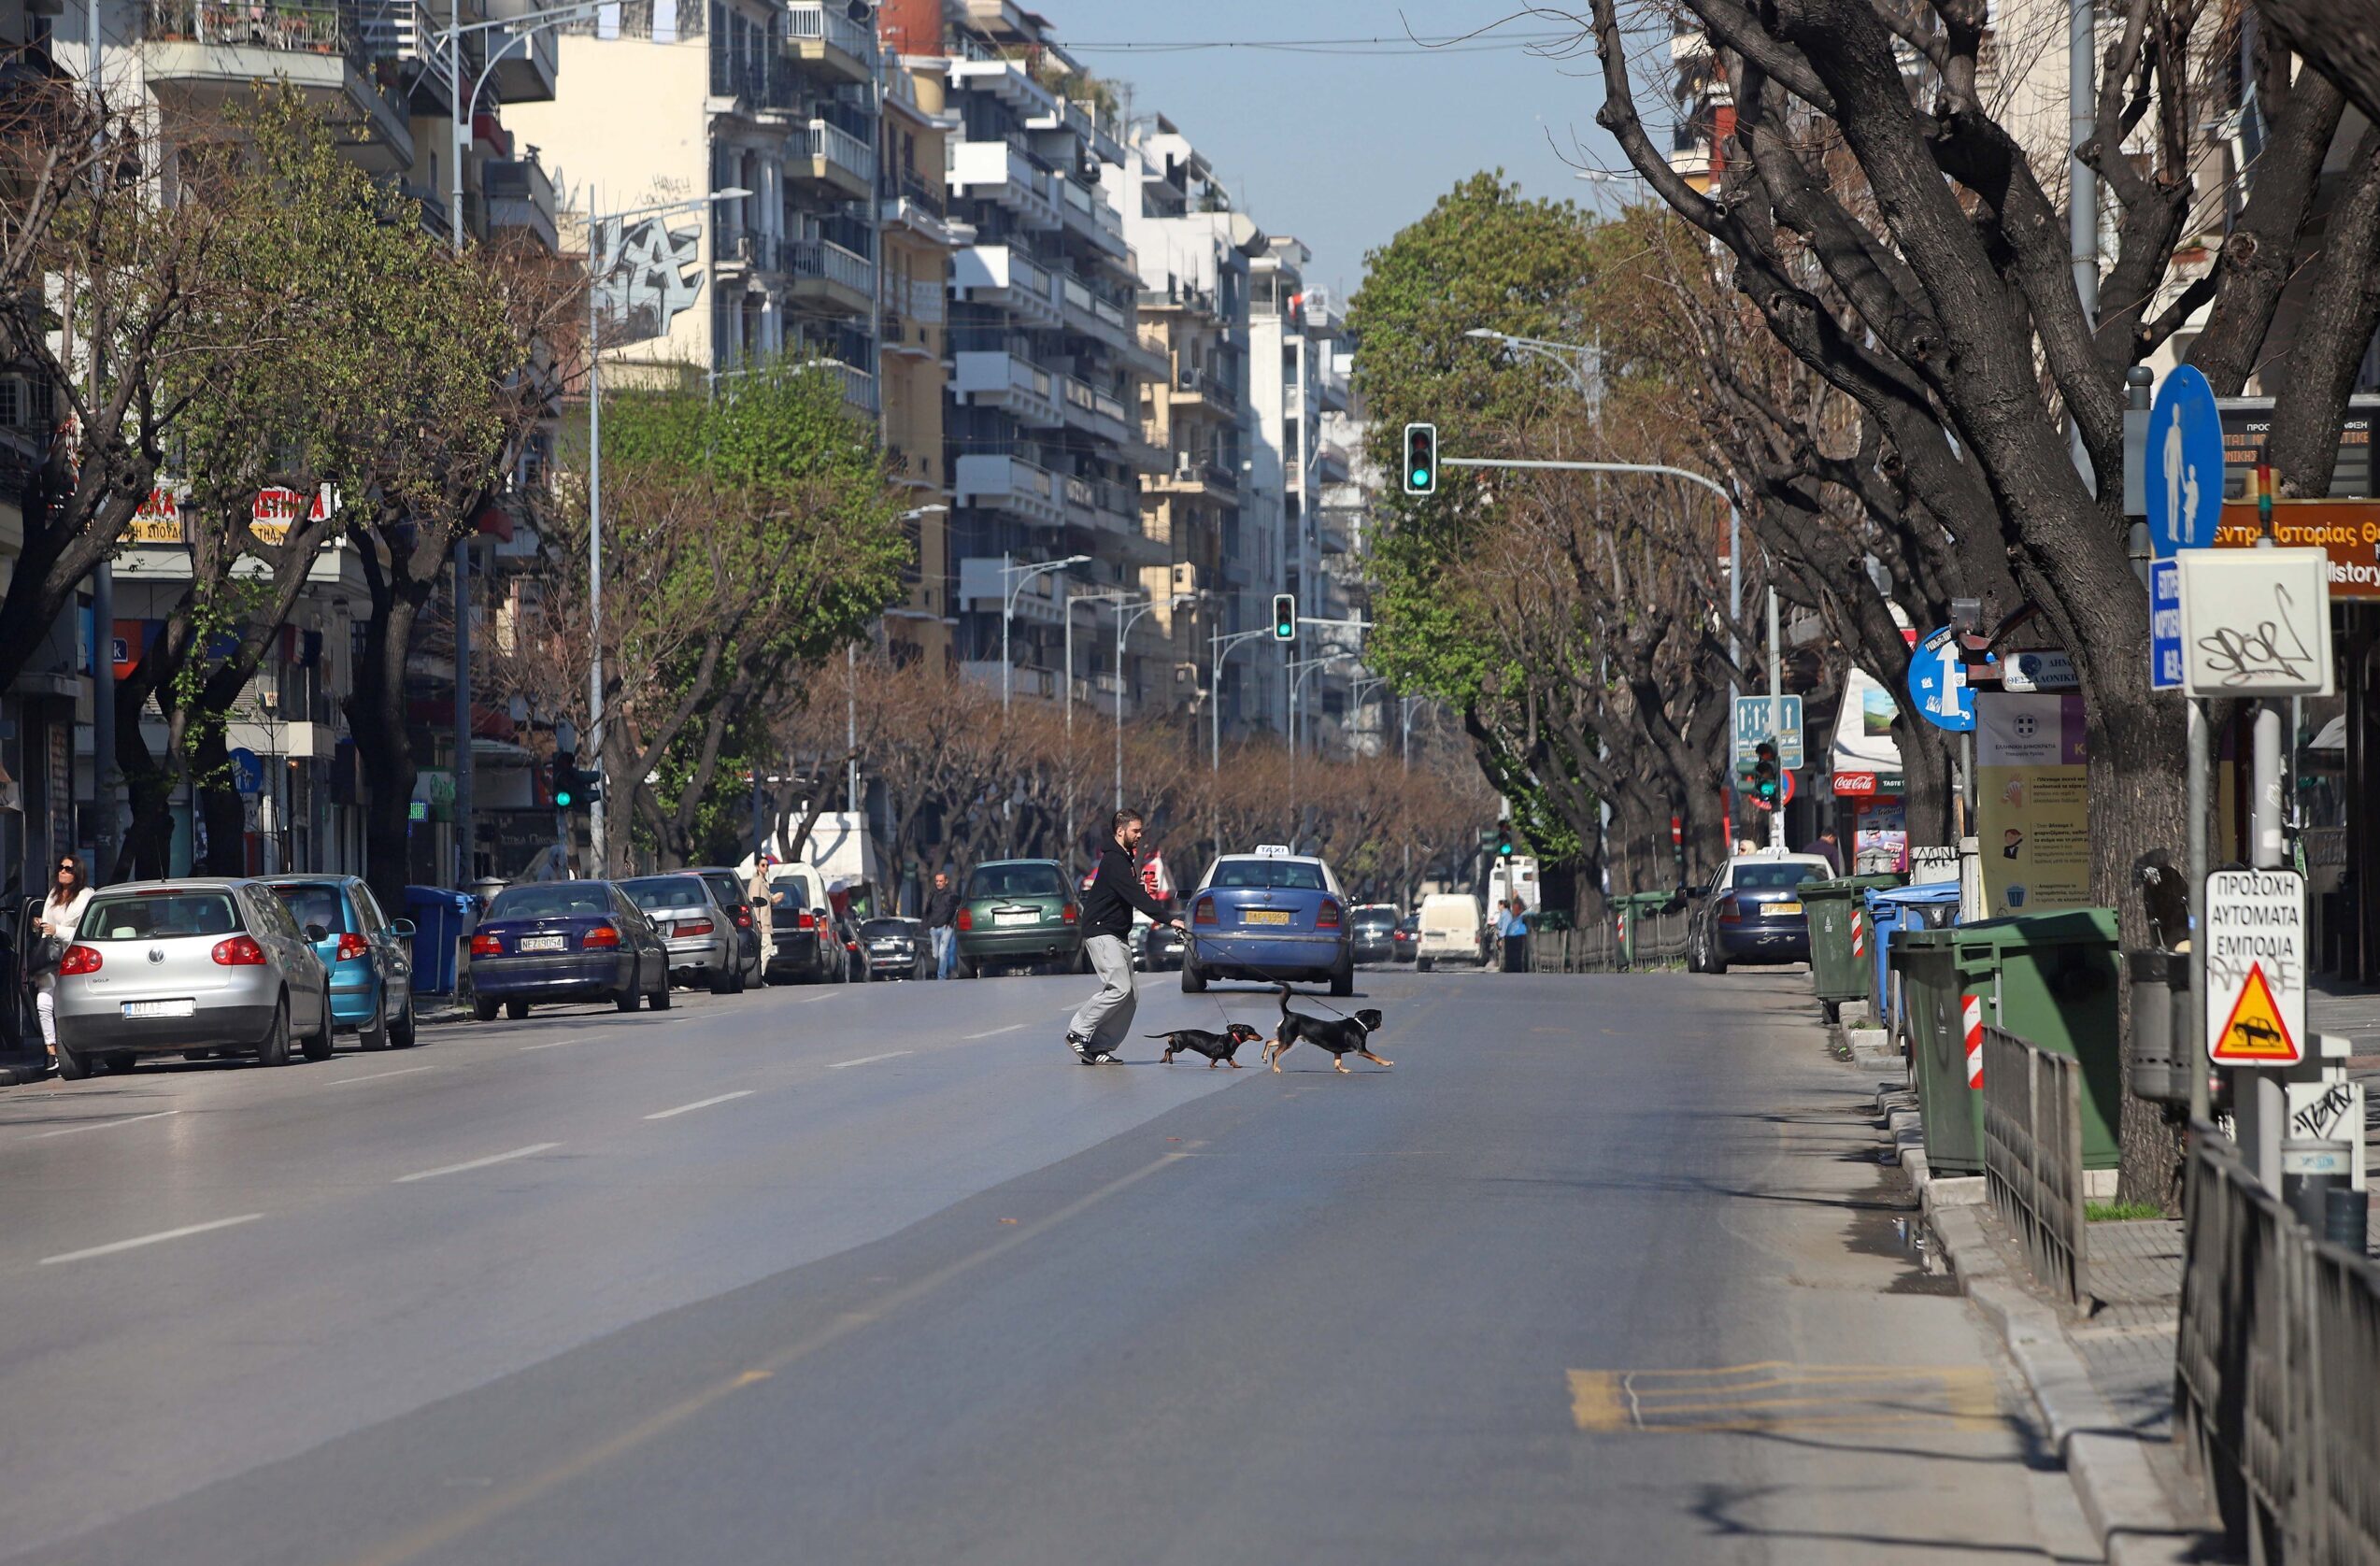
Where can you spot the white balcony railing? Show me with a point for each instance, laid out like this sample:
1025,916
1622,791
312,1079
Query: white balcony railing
995,171
830,23
833,145
1001,482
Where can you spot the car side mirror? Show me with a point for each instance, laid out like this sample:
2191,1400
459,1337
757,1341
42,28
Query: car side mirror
402,927
318,933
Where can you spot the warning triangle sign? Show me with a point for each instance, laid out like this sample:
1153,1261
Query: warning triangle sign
2255,1034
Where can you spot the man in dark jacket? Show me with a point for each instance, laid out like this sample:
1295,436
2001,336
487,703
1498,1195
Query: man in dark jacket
941,924
1107,928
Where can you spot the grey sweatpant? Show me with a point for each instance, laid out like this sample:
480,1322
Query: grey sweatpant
1105,1016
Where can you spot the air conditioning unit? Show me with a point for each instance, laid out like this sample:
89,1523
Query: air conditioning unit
1185,465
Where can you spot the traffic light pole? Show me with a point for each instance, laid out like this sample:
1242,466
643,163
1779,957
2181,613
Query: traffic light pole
1776,714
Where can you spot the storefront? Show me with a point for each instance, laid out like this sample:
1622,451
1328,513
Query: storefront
1872,817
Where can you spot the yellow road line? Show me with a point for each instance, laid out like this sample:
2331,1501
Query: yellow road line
1957,1396
1595,1401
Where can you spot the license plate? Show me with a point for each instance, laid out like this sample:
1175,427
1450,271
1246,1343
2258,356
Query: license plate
161,1008
885,946
1264,916
543,943
1030,917
1785,907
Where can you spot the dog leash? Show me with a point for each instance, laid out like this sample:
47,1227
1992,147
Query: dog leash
1286,984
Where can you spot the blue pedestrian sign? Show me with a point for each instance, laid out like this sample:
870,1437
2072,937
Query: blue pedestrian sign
2165,625
1938,682
2185,465
248,773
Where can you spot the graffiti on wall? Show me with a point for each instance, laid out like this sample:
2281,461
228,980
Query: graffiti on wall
649,274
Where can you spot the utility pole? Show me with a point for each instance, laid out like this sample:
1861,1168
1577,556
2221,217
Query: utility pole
1776,714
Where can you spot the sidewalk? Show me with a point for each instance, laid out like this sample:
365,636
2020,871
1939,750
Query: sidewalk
32,1065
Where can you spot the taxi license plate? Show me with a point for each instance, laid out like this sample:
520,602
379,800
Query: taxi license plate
1264,916
1785,907
544,943
1032,916
161,1008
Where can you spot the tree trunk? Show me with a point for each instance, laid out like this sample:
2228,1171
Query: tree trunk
376,716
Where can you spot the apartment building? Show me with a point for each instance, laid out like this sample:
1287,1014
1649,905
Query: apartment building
1046,366
918,239
1193,252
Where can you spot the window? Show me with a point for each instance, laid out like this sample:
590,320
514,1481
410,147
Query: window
1776,877
318,904
558,901
158,916
655,892
1016,880
1286,874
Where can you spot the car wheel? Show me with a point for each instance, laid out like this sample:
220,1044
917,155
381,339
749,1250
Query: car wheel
961,968
373,1036
318,1043
1342,982
1420,964
275,1050
403,1030
721,983
72,1066
119,1062
1193,982
483,1008
516,1010
659,1000
1713,958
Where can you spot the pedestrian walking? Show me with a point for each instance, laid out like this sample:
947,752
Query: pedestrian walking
941,924
1108,927
1827,848
54,925
763,899
1514,928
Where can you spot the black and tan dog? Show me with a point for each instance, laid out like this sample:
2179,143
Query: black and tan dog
1341,1035
1218,1049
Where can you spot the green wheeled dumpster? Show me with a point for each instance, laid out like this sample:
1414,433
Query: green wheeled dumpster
2048,978
1837,910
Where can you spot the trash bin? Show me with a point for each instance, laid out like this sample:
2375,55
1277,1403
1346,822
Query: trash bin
441,918
1837,911
2048,978
1891,909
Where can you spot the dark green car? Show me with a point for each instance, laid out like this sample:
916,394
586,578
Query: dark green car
1020,914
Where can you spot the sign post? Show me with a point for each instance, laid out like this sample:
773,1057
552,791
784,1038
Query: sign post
1754,728
2256,962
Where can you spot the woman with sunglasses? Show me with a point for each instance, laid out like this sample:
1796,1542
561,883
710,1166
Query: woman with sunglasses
61,912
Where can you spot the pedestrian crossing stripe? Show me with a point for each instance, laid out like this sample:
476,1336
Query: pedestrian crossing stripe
2255,1032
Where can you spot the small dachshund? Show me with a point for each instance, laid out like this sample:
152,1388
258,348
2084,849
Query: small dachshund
1340,1036
1218,1049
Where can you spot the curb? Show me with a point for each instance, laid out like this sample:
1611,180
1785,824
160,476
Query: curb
2121,1499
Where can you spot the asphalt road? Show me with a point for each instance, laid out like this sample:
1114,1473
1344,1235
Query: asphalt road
1604,1269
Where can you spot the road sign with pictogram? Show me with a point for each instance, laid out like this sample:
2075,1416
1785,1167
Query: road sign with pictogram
2255,967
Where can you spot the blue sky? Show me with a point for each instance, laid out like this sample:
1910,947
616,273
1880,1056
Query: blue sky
1343,149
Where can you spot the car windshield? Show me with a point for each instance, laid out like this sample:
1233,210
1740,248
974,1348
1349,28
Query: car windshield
1374,919
1776,877
653,893
888,927
1289,875
158,915
556,898
1016,880
321,905
795,892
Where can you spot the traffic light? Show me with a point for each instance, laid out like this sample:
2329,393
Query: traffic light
1421,458
573,788
1504,844
1767,784
1285,616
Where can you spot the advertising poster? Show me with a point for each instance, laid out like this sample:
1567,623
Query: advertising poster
1880,840
2033,803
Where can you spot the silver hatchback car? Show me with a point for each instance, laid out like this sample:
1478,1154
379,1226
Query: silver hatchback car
685,912
179,967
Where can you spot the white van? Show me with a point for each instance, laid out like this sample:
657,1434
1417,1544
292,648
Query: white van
1450,925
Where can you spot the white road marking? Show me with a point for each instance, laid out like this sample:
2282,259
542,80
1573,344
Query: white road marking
379,1075
476,1163
869,1060
150,1239
701,1104
102,1125
993,1032
821,995
555,1044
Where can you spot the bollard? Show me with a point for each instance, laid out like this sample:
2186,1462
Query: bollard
2346,1218
2311,1168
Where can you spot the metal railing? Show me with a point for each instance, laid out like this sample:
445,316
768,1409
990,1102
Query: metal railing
1606,947
826,260
810,18
2033,1155
2274,1362
283,28
831,143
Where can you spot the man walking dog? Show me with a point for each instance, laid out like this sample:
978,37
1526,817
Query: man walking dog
1107,928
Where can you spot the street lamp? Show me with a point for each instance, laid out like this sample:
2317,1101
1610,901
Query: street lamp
851,679
1013,578
1581,363
595,275
451,39
1298,669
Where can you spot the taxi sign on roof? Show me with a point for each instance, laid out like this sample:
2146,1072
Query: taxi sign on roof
2255,967
1272,850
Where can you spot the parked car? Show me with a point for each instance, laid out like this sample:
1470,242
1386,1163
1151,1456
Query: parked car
566,941
700,931
1375,927
187,966
1157,947
1453,928
369,955
1018,914
1406,938
1751,912
896,948
1272,916
804,938
752,962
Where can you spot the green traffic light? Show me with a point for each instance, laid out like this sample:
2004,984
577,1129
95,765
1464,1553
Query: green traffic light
1420,477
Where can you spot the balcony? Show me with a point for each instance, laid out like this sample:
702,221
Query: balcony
204,56
521,195
825,37
998,482
858,386
1002,380
1024,680
1089,214
996,172
821,272
1010,82
1102,505
1199,387
1037,597
1181,296
527,69
1191,474
1331,463
1001,275
1099,412
1333,386
834,157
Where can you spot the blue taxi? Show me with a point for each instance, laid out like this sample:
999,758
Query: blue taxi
1271,916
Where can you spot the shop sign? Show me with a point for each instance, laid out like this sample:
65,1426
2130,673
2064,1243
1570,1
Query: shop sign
2346,530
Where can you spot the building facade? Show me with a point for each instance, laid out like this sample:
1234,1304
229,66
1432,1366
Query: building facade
918,239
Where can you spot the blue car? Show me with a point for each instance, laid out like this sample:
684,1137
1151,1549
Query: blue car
566,941
368,955
1271,916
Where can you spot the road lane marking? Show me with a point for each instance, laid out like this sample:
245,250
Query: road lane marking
476,1163
555,1044
150,1239
437,1535
380,1076
869,1060
102,1125
701,1103
992,1033
1720,1399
